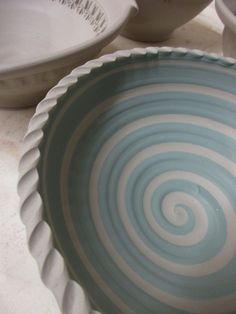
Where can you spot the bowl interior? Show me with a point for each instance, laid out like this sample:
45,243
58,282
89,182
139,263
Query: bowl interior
137,176
31,30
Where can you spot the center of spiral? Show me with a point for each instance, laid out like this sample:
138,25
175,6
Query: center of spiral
176,207
176,214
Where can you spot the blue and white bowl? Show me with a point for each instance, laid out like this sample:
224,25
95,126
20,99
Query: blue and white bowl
130,165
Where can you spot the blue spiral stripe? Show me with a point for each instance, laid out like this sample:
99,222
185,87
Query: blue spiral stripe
147,175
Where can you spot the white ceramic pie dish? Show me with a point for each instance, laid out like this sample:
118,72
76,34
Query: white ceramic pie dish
41,41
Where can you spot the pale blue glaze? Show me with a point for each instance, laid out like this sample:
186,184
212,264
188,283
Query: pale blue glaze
208,287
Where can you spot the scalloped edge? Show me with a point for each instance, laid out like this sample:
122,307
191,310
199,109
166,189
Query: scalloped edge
70,296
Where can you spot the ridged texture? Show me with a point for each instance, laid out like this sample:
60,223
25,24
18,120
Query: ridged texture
31,87
69,294
31,80
91,11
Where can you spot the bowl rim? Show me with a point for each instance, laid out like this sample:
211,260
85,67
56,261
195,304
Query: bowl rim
130,8
51,264
226,15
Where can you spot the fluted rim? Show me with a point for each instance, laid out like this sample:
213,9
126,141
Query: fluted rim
51,264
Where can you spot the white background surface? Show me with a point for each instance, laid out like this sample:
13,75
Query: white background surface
21,290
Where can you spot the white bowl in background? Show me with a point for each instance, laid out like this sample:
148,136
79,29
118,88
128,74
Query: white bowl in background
41,41
157,19
226,10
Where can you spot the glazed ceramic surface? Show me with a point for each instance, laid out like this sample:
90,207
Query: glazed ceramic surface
132,158
157,19
41,41
226,10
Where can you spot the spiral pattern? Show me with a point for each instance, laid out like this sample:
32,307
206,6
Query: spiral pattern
146,171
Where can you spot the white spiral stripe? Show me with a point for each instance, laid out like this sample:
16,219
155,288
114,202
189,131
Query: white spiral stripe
174,213
194,270
201,222
142,90
201,269
155,119
202,306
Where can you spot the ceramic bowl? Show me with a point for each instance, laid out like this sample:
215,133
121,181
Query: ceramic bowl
157,19
41,41
129,171
226,10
